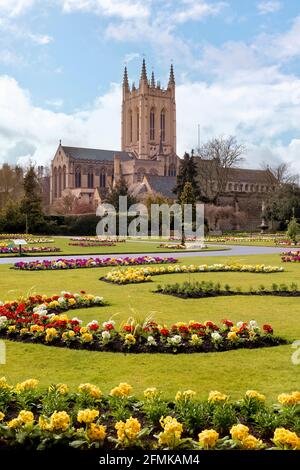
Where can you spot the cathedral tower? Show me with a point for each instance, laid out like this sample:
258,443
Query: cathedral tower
149,116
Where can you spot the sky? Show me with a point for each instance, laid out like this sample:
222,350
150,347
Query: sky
236,66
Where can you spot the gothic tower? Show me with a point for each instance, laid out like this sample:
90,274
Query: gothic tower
149,116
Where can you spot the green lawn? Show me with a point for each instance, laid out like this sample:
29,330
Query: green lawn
130,246
270,370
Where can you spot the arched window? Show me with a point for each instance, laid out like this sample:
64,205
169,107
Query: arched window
130,126
78,177
137,125
90,177
64,177
163,125
230,187
172,170
55,183
140,174
152,124
241,187
246,187
59,182
235,187
102,178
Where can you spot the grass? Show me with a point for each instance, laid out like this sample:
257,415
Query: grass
130,246
269,369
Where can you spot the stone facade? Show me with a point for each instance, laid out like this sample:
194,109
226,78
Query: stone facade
148,145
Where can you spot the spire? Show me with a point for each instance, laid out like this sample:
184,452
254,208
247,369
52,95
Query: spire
144,72
171,77
125,80
152,84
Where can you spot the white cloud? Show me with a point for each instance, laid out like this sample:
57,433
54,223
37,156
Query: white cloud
39,129
10,58
125,9
15,7
131,56
58,103
41,39
197,10
269,6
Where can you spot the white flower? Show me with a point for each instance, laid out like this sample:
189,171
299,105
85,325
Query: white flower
77,319
92,323
65,292
239,324
105,335
253,324
174,340
3,320
61,300
98,299
215,336
111,322
1,303
151,341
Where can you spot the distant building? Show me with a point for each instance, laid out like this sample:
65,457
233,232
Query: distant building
147,159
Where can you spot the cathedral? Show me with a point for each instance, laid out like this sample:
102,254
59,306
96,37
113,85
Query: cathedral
147,160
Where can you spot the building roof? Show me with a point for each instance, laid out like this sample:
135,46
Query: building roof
81,153
162,184
237,175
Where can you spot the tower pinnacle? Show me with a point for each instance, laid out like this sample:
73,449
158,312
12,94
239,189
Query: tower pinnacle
152,80
125,80
171,77
144,72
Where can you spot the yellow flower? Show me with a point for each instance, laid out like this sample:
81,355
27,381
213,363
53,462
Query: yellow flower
11,328
123,390
239,432
72,301
128,430
215,396
26,417
232,336
172,431
15,423
96,432
2,415
83,330
251,443
87,416
208,438
59,421
90,389
130,339
151,393
4,384
35,328
23,331
29,384
87,337
62,389
289,399
286,439
186,395
255,394
44,423
51,334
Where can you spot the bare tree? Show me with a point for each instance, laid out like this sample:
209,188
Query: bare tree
281,174
217,157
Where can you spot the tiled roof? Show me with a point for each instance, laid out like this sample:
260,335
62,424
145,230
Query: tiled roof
238,175
162,184
95,154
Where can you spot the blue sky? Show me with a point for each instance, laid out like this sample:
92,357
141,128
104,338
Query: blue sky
236,64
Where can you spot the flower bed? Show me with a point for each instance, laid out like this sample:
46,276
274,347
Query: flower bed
29,249
178,246
97,239
87,419
39,240
138,275
249,239
290,257
11,236
39,319
204,289
89,244
40,265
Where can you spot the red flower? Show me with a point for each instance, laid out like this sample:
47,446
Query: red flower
196,326
128,328
227,323
183,329
76,329
268,329
93,327
210,324
109,326
164,332
82,292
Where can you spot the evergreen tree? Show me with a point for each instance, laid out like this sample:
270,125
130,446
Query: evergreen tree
31,204
293,230
187,174
120,189
187,197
